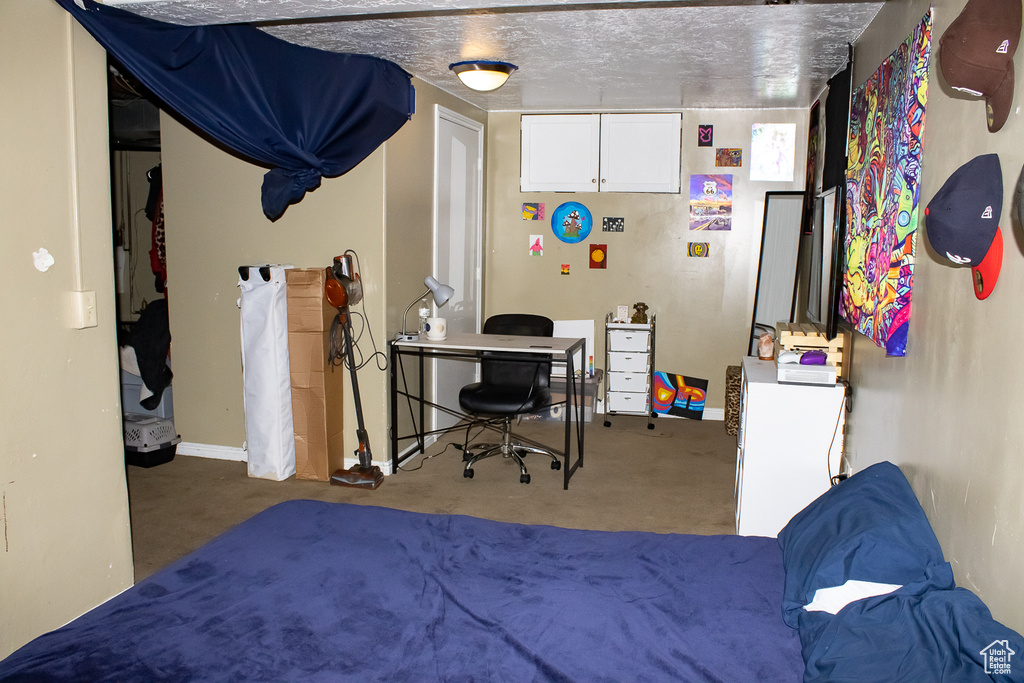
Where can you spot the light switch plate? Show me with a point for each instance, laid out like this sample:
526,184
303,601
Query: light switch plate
83,309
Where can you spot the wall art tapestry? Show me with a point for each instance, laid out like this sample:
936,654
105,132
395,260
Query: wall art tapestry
679,395
883,193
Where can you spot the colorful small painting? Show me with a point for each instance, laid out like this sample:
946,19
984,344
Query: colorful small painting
883,193
772,150
533,212
698,249
565,269
536,245
610,224
711,202
599,256
571,222
679,395
705,135
729,156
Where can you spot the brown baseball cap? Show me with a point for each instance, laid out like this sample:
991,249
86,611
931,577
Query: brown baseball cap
976,54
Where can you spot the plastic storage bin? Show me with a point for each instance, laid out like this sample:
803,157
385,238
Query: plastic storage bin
131,388
149,441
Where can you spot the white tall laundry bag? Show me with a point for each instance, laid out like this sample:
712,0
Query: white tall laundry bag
266,376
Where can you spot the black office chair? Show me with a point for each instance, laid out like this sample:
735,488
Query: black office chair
511,385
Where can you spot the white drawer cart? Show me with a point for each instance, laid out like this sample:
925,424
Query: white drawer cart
790,443
629,357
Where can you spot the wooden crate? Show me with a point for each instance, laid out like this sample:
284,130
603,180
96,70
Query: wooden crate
811,336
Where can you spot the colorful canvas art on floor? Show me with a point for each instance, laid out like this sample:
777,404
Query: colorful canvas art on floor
711,202
679,395
883,193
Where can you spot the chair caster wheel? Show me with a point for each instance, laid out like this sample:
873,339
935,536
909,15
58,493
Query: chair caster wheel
468,474
556,464
650,426
524,478
607,423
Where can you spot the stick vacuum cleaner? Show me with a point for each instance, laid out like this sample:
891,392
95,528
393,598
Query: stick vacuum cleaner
343,288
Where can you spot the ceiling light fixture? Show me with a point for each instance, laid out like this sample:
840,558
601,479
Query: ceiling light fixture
482,74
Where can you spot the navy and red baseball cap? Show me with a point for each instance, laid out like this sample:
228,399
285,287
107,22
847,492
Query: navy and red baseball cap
962,220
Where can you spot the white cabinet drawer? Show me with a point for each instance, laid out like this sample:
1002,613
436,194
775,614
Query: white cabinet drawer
629,340
628,381
624,402
619,361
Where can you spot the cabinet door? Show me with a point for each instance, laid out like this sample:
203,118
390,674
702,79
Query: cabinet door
640,152
560,153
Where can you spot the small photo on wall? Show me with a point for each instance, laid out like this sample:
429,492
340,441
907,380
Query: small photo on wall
729,156
613,224
705,135
536,245
565,269
698,249
533,212
599,256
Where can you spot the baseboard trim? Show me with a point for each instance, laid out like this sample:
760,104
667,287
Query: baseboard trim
202,450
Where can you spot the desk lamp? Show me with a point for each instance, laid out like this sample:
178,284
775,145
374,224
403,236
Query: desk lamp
441,295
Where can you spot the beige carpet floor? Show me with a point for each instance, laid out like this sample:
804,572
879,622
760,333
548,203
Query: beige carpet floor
676,478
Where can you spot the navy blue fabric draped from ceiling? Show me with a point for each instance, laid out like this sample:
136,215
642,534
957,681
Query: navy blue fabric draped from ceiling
305,113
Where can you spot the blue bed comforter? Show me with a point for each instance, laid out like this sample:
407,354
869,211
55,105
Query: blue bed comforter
317,591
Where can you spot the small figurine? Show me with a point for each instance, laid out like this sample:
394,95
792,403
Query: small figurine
639,313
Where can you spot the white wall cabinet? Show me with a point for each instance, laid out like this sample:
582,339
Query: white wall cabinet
600,153
790,445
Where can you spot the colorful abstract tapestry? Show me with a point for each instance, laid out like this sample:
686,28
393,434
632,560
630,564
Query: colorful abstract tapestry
678,395
883,193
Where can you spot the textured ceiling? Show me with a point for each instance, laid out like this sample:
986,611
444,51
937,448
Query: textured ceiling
574,56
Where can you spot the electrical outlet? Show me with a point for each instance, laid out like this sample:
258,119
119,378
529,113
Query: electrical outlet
83,310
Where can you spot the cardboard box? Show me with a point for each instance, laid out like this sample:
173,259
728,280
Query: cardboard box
317,387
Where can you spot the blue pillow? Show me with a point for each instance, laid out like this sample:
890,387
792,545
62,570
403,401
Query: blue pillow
917,633
869,527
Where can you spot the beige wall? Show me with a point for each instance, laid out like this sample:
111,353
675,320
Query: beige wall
215,223
703,305
66,542
949,413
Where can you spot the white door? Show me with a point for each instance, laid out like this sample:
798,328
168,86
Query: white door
458,228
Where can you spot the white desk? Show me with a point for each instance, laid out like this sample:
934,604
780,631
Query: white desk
463,344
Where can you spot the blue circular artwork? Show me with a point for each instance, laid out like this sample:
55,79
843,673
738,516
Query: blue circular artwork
571,222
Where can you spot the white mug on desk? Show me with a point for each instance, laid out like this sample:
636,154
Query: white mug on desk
437,329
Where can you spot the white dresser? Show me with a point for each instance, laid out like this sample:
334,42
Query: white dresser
629,348
790,445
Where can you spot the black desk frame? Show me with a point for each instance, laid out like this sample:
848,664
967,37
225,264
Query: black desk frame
511,347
